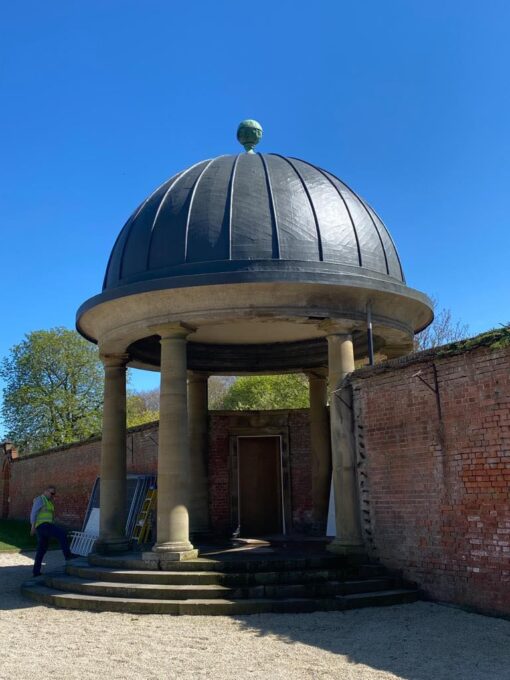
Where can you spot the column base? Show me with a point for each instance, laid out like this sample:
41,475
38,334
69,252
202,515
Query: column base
164,559
172,546
341,548
112,546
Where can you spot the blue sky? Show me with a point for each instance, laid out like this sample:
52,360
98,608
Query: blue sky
407,101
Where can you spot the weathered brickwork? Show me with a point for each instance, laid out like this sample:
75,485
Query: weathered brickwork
219,475
434,473
300,471
5,478
224,427
74,468
439,474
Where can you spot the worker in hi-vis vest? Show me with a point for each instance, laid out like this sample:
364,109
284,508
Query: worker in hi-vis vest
41,519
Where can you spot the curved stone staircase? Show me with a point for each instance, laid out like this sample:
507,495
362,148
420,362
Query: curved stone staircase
221,584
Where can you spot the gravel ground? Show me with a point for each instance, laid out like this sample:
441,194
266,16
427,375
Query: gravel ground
419,641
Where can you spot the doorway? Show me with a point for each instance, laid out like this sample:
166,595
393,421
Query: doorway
260,486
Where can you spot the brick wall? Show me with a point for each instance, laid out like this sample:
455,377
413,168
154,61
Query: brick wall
219,474
73,470
438,476
434,478
5,474
295,425
301,471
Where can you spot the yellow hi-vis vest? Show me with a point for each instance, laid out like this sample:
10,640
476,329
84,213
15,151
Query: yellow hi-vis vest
46,513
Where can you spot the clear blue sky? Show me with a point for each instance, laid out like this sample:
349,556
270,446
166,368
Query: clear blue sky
407,101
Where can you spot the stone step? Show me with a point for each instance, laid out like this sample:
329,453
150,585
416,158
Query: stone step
381,598
50,596
240,564
150,591
230,579
371,570
182,592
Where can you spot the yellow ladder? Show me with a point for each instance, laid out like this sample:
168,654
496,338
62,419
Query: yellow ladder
144,521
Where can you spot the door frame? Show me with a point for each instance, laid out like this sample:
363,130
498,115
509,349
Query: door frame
280,490
285,481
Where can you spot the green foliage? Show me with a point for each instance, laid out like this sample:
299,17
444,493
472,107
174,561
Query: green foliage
15,536
496,338
218,386
54,390
138,411
267,392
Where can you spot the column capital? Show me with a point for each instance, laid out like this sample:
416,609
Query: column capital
336,327
317,374
172,331
114,360
197,376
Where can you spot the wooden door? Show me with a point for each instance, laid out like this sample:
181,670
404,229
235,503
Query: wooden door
260,499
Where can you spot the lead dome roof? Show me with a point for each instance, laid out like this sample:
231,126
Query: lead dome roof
250,217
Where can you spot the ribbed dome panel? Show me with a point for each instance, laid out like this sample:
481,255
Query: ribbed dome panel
225,213
255,231
295,221
338,236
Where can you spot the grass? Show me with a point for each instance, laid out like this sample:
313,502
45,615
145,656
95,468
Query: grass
15,536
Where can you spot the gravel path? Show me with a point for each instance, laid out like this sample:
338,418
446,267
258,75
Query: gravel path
419,641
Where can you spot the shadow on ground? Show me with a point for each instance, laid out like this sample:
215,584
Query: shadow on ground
421,641
11,578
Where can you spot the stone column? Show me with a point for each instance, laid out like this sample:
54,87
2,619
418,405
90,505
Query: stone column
321,448
112,514
347,512
198,411
173,452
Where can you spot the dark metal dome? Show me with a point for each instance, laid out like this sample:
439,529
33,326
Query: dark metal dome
251,217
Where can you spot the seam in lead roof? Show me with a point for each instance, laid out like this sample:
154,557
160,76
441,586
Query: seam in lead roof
173,181
371,219
117,240
393,243
137,212
317,228
193,194
230,205
324,174
271,205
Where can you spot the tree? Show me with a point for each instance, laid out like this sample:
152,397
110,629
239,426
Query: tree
441,331
54,390
142,407
267,392
150,398
218,388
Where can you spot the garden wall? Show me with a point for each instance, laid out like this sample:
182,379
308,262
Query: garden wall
434,472
74,468
433,446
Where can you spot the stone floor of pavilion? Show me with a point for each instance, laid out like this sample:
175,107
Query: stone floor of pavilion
233,577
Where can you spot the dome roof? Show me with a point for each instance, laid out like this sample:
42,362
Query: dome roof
250,217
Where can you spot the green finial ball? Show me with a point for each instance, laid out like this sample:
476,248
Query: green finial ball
249,134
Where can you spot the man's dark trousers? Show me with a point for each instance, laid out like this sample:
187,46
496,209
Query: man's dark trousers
44,532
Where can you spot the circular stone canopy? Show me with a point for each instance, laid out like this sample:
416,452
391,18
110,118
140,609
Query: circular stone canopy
255,252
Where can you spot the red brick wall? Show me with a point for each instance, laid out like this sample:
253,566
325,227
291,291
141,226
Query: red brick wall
5,474
73,470
219,474
223,426
439,499
300,471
